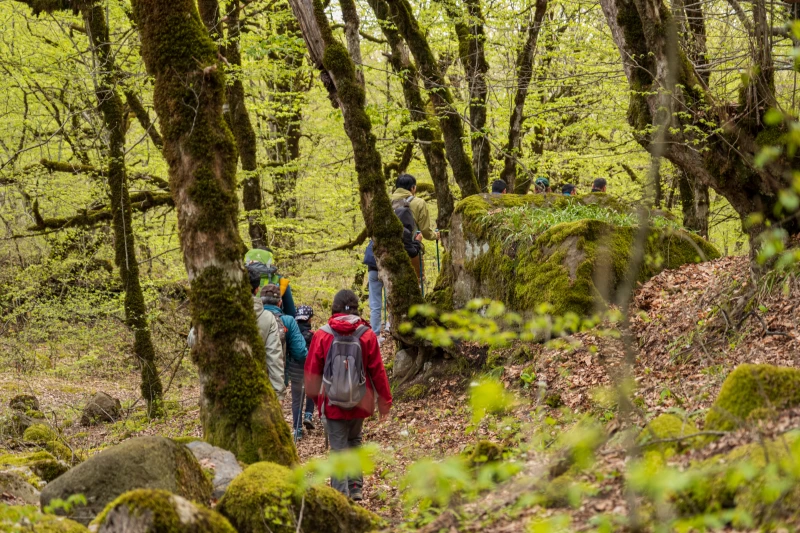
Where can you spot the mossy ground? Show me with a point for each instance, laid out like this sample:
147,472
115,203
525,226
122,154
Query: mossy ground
753,391
667,426
265,499
12,518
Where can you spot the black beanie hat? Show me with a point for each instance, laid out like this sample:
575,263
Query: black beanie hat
345,301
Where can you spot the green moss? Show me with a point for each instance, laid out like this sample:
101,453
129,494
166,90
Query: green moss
553,400
161,511
561,492
49,469
667,426
265,498
24,459
186,439
24,403
752,387
483,452
13,516
39,434
770,136
415,392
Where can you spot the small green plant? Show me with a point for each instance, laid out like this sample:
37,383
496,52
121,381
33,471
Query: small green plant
66,506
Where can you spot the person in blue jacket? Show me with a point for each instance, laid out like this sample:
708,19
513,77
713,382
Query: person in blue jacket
296,351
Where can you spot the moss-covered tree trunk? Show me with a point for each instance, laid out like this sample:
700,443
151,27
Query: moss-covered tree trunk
339,75
239,410
450,120
469,23
429,135
705,140
524,75
111,107
695,204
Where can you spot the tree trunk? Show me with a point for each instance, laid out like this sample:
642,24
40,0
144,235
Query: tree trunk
694,203
245,135
429,135
339,76
239,410
439,92
469,31
705,139
524,75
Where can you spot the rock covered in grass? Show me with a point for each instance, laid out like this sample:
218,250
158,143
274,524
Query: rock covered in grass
221,462
100,408
158,511
12,484
24,403
570,252
264,499
45,436
28,519
143,462
753,391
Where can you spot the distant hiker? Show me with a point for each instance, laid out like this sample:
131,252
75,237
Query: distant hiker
270,333
347,393
569,190
375,287
599,185
499,187
265,261
403,203
303,318
542,185
296,351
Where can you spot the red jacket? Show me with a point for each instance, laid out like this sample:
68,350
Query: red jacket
315,364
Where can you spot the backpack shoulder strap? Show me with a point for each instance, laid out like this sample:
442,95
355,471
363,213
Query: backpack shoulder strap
360,331
329,330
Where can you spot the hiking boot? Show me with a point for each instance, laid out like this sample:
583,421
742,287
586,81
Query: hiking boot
355,494
298,434
308,423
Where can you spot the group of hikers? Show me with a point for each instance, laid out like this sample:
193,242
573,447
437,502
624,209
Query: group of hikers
542,186
338,368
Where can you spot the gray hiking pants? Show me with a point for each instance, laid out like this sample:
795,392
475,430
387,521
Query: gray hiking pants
344,434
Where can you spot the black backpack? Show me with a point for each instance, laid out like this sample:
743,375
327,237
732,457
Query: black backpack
402,208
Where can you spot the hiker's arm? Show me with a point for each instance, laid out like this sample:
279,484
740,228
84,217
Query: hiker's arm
377,373
275,357
295,343
423,219
288,302
314,367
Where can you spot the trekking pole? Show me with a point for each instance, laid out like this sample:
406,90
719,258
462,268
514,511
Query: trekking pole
438,264
421,273
300,416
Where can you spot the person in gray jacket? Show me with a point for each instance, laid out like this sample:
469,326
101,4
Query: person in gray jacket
268,329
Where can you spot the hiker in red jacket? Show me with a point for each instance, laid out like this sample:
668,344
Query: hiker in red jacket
346,392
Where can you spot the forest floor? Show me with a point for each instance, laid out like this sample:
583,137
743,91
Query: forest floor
691,327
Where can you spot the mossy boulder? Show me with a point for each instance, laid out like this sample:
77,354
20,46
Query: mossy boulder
158,511
139,463
415,392
265,499
24,403
13,484
753,391
100,408
484,451
574,265
667,426
28,519
45,436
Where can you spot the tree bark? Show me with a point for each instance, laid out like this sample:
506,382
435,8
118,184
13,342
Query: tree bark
439,92
469,24
643,30
339,76
694,203
524,75
245,135
239,410
428,134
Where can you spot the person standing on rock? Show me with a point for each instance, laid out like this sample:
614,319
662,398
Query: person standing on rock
345,376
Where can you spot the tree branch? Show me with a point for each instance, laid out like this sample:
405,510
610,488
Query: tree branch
140,201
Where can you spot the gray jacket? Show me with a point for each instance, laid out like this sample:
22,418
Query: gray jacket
268,329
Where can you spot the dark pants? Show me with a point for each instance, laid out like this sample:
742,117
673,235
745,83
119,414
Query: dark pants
344,434
297,397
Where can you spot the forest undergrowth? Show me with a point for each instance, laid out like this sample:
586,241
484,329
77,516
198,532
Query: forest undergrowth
692,326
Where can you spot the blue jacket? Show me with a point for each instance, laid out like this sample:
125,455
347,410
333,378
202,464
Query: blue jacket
288,301
295,343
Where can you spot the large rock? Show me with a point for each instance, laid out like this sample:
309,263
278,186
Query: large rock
265,499
221,462
157,511
101,408
572,263
12,483
28,519
753,391
24,403
139,463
